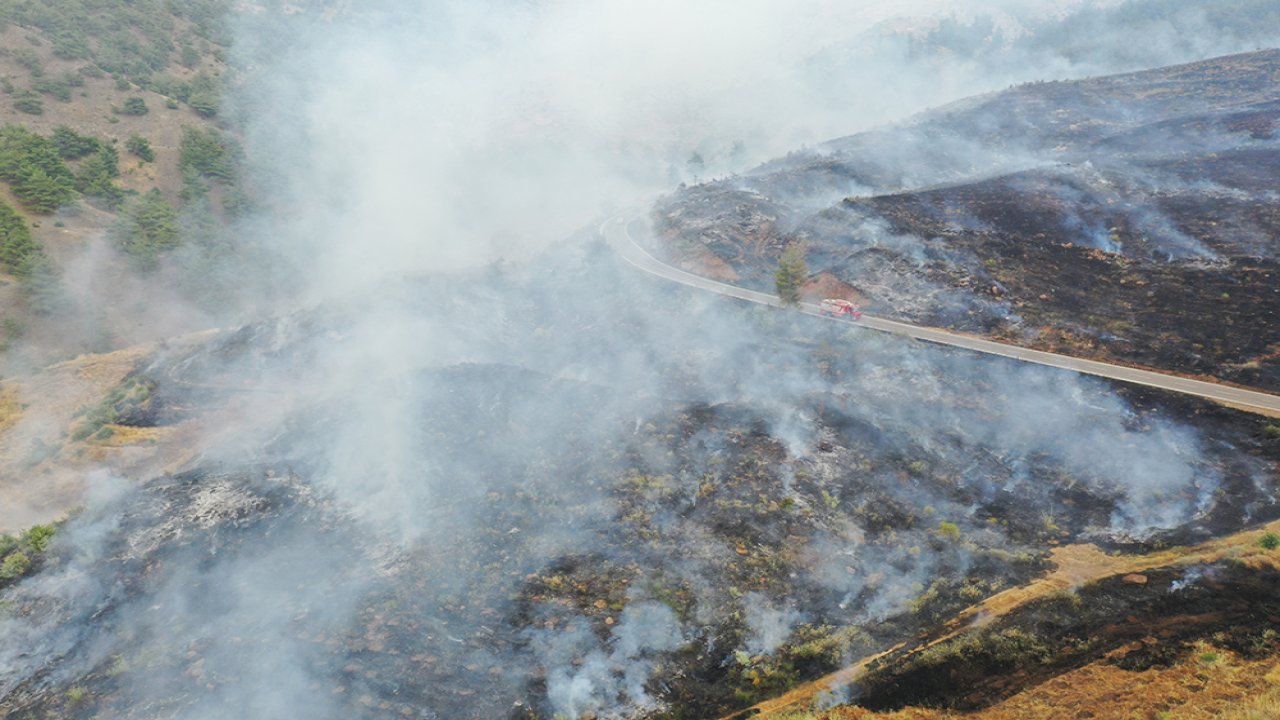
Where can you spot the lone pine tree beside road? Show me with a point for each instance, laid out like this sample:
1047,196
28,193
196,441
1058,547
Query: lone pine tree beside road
791,274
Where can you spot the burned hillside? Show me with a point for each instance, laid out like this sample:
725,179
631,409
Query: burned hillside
546,541
1130,218
447,454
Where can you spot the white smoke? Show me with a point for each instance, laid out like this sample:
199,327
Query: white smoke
588,678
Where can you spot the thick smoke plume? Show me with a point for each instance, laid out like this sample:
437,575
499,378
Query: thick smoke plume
437,341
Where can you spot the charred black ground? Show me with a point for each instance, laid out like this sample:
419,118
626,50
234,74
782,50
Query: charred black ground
698,549
585,492
1129,217
1138,622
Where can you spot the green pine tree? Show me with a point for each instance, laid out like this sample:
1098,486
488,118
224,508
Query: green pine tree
149,227
140,147
41,286
791,274
22,257
41,192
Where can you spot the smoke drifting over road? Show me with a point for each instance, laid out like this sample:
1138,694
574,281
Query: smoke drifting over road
465,412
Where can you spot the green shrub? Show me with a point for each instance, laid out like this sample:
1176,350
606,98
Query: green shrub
76,695
15,565
29,102
37,538
188,55
57,87
72,145
34,170
16,245
791,274
96,175
27,58
172,87
204,103
41,192
71,47
41,287
138,146
12,328
149,227
135,106
125,398
24,258
130,40
208,154
1269,541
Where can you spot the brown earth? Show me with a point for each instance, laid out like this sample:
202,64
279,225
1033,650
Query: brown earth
44,473
1110,690
1228,686
826,285
122,309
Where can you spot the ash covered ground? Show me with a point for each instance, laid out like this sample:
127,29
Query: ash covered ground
588,494
1130,217
556,487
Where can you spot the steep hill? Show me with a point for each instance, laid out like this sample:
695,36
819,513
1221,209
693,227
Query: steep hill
560,488
117,92
681,552
1128,217
1184,632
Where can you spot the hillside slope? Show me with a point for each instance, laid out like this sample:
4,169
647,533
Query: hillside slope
680,553
1184,630
1128,217
119,92
560,488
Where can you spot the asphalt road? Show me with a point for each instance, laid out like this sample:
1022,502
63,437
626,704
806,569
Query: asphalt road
617,232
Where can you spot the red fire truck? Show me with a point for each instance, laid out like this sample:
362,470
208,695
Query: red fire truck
832,307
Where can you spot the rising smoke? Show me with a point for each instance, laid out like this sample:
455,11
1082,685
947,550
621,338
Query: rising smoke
437,342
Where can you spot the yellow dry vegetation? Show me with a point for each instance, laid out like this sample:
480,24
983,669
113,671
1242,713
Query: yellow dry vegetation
122,435
42,475
1263,706
1075,566
1209,683
10,407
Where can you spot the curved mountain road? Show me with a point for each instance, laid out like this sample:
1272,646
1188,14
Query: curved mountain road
617,232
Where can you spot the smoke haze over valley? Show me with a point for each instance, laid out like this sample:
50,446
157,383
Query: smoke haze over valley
451,457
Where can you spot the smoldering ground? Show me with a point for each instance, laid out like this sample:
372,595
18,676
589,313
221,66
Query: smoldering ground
549,485
556,539
976,216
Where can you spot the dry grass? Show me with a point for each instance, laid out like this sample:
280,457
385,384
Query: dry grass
1226,687
1263,706
42,475
1207,683
1075,565
123,435
10,407
39,478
